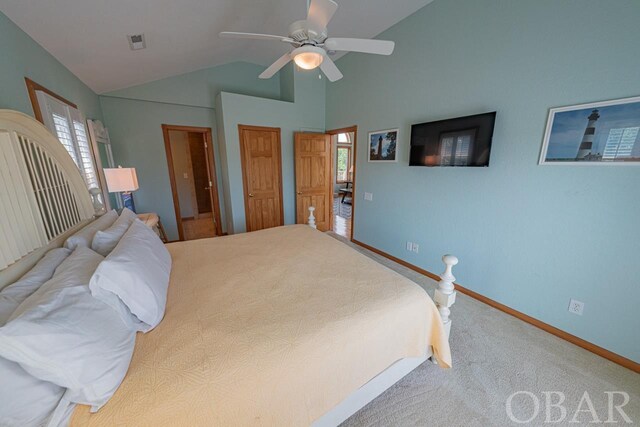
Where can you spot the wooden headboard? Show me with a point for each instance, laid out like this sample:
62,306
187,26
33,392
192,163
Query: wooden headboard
43,197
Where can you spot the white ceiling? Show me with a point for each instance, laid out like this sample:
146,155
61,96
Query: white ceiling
89,36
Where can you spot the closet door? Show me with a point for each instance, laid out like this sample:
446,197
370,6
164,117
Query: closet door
262,176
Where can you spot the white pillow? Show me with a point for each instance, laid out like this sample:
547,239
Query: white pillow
84,237
63,335
104,241
24,399
137,271
12,296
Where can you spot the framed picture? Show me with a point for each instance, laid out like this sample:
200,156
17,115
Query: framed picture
602,133
382,145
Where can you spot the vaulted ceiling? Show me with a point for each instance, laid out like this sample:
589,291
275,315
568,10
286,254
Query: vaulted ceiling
90,36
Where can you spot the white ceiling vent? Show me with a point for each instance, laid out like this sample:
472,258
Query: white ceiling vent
136,41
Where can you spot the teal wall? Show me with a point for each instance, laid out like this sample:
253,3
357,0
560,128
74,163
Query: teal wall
199,88
306,113
135,128
528,236
20,57
135,115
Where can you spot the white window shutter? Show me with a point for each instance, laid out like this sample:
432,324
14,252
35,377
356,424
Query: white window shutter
84,149
69,125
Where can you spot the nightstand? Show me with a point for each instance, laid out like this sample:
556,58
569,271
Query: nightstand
152,220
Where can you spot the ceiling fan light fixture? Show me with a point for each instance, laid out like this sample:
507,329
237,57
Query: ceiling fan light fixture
308,57
312,45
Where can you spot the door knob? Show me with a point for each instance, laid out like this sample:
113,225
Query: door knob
250,194
299,192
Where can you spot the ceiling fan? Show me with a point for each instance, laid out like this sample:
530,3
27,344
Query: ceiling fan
311,44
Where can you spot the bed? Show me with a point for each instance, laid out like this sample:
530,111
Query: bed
261,328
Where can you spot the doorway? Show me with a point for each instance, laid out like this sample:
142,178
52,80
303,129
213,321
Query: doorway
193,181
343,142
261,176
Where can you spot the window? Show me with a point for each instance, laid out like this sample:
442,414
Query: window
343,164
343,138
65,121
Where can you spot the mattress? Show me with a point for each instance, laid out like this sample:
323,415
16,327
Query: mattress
274,327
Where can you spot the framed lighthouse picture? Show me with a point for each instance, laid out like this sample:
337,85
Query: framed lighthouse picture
603,133
382,145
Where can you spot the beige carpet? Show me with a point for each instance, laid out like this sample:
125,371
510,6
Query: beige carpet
495,355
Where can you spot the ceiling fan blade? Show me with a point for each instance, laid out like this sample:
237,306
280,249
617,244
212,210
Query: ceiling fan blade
276,66
253,36
330,70
321,12
379,47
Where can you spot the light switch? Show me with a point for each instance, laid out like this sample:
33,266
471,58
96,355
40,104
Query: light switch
368,196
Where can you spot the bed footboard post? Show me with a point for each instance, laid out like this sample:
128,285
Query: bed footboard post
445,295
312,219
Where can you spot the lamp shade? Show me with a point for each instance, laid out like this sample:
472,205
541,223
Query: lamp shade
308,57
121,179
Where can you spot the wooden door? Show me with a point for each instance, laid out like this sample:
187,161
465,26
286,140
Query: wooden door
314,187
200,173
262,176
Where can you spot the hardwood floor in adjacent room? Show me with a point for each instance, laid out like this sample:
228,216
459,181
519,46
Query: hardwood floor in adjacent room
198,228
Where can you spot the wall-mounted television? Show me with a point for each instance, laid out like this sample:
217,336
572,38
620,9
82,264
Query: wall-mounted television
463,141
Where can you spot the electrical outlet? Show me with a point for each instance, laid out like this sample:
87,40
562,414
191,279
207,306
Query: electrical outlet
409,246
416,247
368,196
576,307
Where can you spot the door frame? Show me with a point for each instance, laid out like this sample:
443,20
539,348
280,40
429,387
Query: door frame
215,201
354,152
245,191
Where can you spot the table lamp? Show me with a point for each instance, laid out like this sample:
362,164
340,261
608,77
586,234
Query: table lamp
124,181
